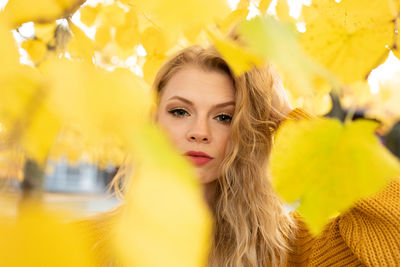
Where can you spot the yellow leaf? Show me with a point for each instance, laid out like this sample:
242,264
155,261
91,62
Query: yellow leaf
239,58
154,41
164,210
40,134
174,16
113,15
282,11
277,42
127,35
39,238
89,14
97,111
349,38
243,4
103,36
151,66
327,166
80,45
45,32
263,6
9,55
230,21
35,48
42,11
18,93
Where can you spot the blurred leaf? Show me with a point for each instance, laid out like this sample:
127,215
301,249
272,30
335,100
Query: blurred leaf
40,134
9,55
154,41
45,32
127,35
42,11
263,6
151,66
282,11
174,16
98,111
89,14
36,49
39,238
327,166
80,46
112,15
277,43
103,36
239,58
165,214
232,19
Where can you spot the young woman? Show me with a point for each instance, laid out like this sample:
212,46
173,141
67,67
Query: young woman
224,125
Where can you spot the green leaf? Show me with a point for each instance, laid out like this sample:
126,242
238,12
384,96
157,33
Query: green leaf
327,166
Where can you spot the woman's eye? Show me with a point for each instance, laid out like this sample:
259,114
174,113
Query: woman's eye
178,112
224,118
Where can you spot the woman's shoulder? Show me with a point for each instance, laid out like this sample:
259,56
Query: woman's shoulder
368,233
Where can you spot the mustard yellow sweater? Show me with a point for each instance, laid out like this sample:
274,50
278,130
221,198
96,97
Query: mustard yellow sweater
368,234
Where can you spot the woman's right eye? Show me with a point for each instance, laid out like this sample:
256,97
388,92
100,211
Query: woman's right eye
178,112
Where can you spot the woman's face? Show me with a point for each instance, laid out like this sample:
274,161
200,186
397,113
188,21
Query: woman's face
195,109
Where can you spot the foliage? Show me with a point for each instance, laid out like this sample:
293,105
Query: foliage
86,90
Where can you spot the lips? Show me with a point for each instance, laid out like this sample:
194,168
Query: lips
198,158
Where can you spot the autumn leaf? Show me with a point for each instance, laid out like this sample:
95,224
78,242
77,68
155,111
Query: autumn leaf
174,16
164,210
127,35
80,45
45,32
349,38
239,58
36,49
103,36
9,55
41,11
112,15
151,66
263,6
40,238
89,14
277,43
97,111
326,166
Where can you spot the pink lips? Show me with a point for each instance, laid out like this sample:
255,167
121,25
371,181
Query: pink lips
198,158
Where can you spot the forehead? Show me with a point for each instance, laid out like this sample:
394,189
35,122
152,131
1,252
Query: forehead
199,86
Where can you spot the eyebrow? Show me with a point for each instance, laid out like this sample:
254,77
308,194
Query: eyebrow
229,103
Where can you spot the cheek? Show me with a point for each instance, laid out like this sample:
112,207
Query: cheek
170,126
223,134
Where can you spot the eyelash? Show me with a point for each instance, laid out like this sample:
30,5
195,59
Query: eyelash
180,112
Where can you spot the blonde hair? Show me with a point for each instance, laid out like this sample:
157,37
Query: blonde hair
251,226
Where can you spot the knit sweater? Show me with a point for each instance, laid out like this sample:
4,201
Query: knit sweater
368,234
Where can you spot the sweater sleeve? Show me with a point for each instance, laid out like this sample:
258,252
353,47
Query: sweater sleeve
368,234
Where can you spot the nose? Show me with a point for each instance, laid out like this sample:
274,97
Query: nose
199,131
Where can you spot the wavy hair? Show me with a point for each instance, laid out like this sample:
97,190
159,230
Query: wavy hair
251,226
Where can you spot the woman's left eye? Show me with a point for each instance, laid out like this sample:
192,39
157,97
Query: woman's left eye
224,118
